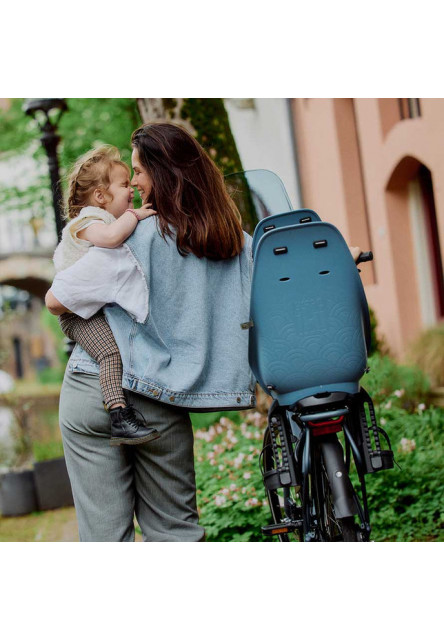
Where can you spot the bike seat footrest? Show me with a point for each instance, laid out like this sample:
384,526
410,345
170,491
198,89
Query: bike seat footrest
283,474
374,457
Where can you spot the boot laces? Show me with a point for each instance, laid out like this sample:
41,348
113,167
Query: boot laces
129,413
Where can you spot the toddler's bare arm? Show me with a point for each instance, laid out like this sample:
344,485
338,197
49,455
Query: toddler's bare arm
110,236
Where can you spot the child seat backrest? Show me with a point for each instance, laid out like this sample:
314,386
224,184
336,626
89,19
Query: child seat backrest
300,216
309,313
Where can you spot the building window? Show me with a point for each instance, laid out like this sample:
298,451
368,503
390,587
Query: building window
409,108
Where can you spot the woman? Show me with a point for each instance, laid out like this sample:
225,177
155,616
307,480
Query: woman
186,350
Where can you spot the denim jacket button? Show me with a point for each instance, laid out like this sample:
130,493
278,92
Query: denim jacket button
172,398
238,400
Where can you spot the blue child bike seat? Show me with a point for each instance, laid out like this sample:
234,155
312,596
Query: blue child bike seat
310,321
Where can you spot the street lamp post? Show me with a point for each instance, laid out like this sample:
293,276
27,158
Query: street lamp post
40,109
50,140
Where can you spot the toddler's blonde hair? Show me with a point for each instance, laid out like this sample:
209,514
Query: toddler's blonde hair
91,171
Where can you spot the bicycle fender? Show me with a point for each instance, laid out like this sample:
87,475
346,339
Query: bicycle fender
341,486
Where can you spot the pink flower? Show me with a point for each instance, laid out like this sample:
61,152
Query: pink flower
247,475
238,460
421,407
257,419
219,500
407,445
399,393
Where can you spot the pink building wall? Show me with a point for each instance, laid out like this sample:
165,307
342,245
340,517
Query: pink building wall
357,160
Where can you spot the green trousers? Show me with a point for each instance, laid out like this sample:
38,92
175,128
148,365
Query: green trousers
153,481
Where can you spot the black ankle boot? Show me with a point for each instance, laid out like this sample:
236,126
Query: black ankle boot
128,428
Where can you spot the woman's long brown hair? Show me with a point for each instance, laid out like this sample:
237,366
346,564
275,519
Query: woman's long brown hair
189,193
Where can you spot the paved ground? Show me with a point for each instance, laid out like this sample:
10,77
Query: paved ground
59,525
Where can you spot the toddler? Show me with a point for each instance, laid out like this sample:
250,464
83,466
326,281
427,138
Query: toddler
100,214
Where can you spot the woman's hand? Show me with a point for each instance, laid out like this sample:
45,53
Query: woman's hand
356,252
145,211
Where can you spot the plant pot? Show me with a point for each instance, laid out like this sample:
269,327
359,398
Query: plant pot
52,484
17,493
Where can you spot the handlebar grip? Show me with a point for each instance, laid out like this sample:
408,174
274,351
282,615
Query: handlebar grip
365,256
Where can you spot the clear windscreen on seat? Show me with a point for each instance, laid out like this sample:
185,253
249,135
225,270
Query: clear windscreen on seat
258,193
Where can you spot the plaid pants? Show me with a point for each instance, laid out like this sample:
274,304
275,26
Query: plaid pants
95,336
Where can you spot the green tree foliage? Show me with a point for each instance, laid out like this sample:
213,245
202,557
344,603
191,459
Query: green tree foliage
93,121
17,132
86,123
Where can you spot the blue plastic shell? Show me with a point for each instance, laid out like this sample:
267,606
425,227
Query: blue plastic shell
311,327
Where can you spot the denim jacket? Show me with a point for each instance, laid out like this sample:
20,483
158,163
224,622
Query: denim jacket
190,351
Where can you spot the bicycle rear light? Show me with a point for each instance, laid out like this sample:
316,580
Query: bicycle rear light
327,426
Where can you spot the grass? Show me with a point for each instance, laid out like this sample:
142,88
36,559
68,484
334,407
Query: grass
59,525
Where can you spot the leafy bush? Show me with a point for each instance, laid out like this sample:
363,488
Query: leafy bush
407,503
427,353
387,377
230,492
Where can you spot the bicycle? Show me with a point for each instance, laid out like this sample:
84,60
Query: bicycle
309,336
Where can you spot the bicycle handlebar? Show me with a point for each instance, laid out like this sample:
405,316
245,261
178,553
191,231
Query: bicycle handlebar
365,256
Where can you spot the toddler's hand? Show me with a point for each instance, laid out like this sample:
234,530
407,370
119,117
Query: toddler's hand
145,211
